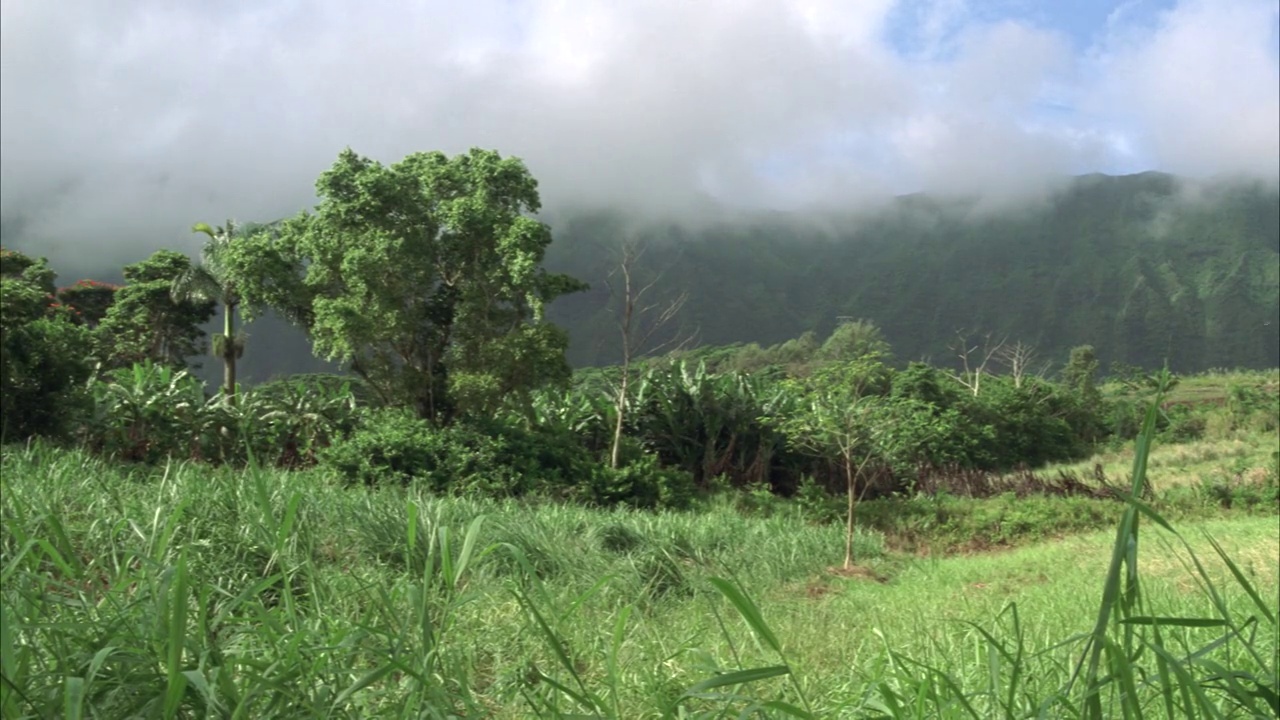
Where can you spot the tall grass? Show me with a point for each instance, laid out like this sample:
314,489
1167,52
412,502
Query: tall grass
192,592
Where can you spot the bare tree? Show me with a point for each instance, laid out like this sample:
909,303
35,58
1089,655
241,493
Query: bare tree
974,359
1018,357
638,320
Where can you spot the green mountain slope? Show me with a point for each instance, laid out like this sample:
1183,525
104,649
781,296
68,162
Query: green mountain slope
1144,267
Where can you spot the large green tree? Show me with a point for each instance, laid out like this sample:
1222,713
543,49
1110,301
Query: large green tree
424,276
89,300
212,281
44,353
145,322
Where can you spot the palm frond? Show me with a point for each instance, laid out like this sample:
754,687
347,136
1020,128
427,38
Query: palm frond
196,284
213,259
204,228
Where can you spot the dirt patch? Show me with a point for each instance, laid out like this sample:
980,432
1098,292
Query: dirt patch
1010,585
817,590
856,571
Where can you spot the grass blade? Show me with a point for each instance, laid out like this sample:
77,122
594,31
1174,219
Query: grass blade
1267,612
468,549
361,683
177,682
1174,621
738,677
73,695
749,612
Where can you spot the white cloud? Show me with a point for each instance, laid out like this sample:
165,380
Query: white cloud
122,123
1199,93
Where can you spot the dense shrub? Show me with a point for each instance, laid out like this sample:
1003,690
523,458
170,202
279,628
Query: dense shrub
150,412
1235,490
1251,407
42,378
937,437
1008,424
1182,424
641,483
388,447
927,384
499,459
1032,425
43,353
946,523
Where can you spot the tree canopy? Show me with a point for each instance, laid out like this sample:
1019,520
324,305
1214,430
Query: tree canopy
145,322
424,276
43,352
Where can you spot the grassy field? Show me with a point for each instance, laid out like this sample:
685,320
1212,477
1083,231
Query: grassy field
1234,446
1244,454
1213,386
193,592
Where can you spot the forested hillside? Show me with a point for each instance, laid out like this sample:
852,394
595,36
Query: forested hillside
1143,267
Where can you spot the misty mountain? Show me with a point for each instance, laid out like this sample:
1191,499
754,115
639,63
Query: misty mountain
1144,267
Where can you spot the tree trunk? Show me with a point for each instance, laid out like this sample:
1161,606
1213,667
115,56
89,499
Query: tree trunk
848,530
614,455
229,354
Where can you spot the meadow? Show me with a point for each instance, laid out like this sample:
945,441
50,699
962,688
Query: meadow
190,591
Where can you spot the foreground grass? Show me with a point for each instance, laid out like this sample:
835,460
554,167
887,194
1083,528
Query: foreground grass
190,592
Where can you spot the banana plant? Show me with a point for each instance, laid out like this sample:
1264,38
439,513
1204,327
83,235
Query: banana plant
145,412
300,419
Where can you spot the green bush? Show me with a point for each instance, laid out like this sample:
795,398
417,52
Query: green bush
1234,490
500,459
512,459
1182,424
150,412
1007,425
757,499
1035,424
641,483
1123,419
1250,407
389,447
396,447
948,523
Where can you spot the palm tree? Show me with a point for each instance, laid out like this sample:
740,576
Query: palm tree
211,281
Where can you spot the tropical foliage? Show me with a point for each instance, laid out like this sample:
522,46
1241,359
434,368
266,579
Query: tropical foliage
214,590
210,281
145,323
424,277
150,412
44,352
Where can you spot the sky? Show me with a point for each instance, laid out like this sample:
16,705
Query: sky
122,123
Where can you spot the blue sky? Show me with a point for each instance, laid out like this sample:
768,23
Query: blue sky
1083,21
125,120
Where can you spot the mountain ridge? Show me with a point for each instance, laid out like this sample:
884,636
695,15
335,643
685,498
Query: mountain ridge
1146,267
